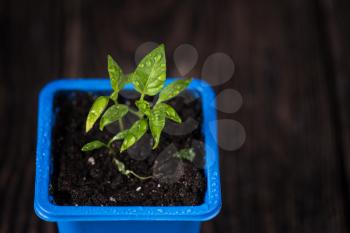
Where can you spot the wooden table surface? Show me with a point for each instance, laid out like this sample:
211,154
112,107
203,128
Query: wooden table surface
292,61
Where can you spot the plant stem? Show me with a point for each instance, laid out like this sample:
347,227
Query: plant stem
139,177
114,97
110,150
121,168
138,114
121,124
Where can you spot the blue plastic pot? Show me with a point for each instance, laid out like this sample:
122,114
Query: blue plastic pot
130,219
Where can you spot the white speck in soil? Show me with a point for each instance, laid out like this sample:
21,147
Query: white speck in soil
138,189
158,185
112,199
84,178
91,161
75,204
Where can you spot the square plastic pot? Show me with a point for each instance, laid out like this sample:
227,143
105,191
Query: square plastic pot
130,219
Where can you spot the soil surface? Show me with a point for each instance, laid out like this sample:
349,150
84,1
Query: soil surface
90,178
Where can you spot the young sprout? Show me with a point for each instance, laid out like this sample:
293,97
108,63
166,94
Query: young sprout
185,154
148,80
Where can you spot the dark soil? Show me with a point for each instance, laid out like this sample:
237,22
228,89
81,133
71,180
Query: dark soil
81,178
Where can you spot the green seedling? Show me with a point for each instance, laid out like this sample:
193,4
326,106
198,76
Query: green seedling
186,154
148,80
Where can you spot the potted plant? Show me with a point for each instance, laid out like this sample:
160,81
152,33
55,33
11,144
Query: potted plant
121,169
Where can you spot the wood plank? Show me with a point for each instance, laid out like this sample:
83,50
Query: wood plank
288,174
28,53
335,15
287,177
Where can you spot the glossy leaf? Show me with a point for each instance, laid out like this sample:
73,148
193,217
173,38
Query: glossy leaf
121,135
123,80
113,114
156,123
150,73
144,107
127,78
128,141
186,154
173,89
137,130
115,73
95,112
93,145
118,136
120,166
170,112
114,96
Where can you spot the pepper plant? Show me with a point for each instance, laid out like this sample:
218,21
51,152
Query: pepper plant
148,80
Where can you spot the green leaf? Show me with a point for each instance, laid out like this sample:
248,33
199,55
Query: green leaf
114,96
121,135
157,123
113,114
150,73
186,154
129,140
123,80
170,112
118,79
118,136
120,166
93,146
128,78
137,130
173,89
115,73
144,107
95,112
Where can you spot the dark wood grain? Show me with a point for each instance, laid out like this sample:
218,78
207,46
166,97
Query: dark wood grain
288,166
292,68
337,34
28,56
